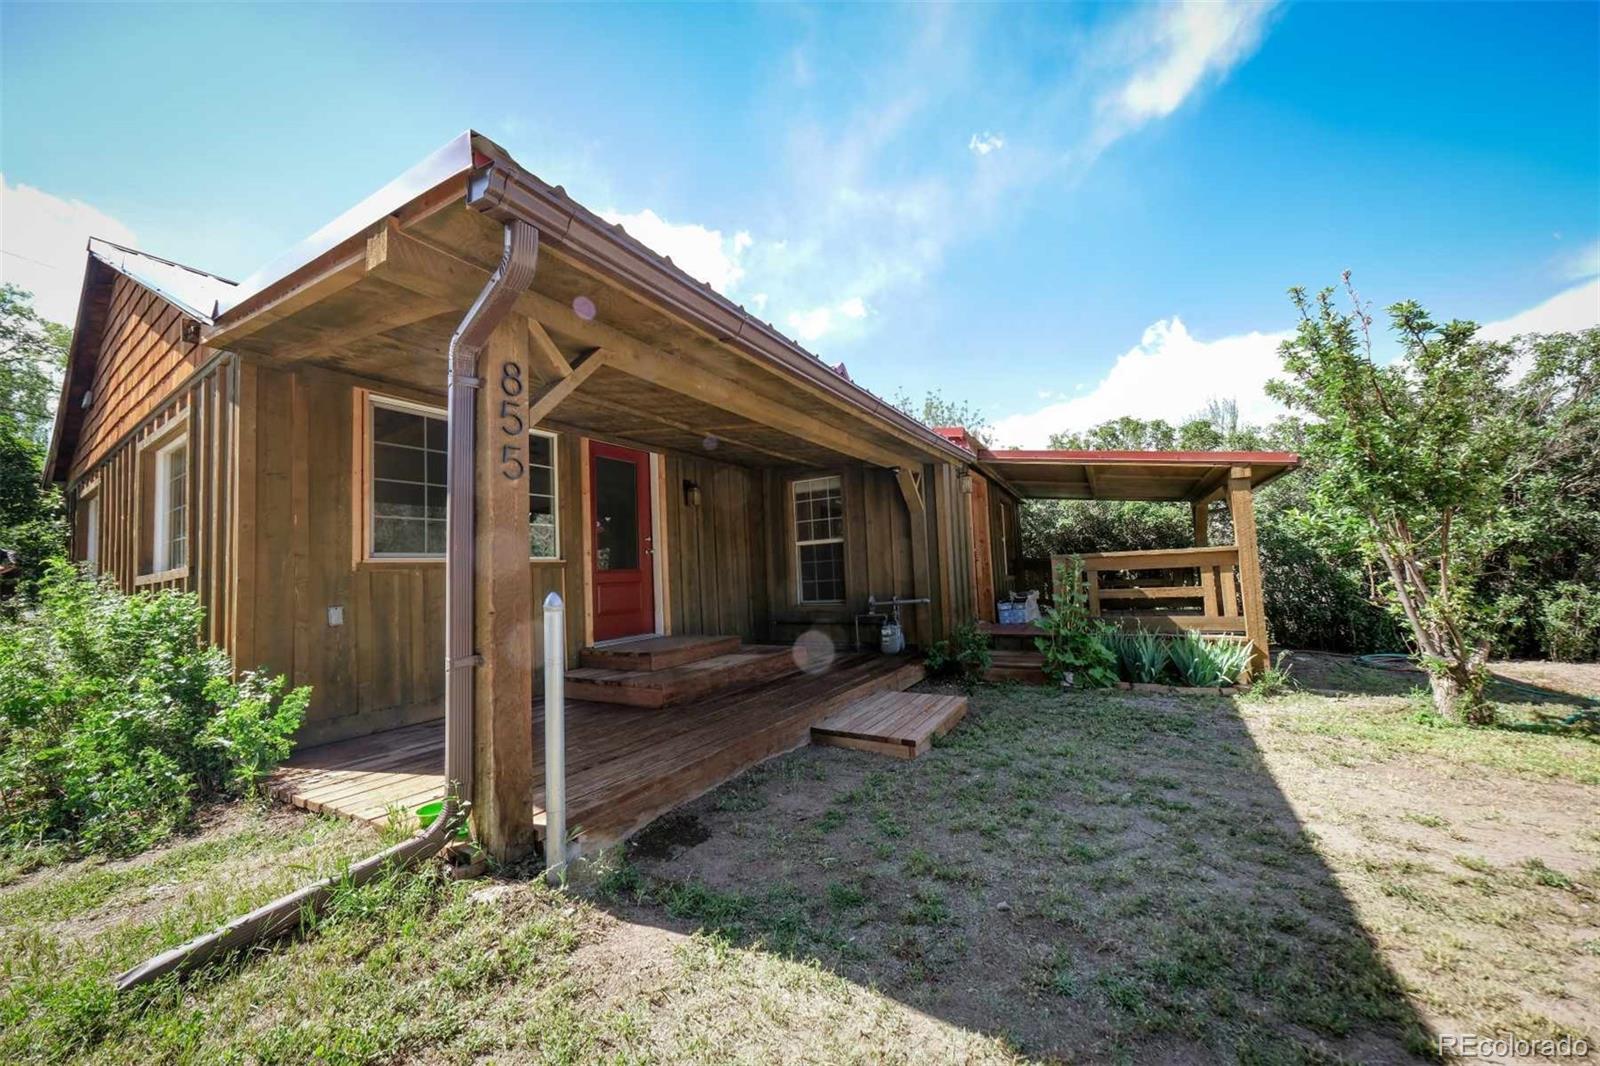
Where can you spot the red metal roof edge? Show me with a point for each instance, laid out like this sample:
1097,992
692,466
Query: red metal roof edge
1196,458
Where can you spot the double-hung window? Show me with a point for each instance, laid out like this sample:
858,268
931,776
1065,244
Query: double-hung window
819,539
408,460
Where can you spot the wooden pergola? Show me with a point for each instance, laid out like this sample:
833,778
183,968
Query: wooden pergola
1208,588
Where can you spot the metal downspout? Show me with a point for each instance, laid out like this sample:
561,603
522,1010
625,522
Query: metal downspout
282,915
514,274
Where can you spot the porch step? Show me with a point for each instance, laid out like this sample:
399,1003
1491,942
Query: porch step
749,665
657,653
1026,667
900,724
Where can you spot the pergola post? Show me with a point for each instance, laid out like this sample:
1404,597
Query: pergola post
503,694
1211,585
1241,501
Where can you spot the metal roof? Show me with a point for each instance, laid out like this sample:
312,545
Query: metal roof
1126,475
195,292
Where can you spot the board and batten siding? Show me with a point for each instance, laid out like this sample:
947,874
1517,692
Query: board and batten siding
383,666
203,408
877,553
715,550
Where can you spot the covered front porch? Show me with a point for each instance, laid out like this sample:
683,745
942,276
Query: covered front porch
625,765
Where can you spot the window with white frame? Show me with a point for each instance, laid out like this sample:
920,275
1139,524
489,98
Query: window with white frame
544,540
408,459
91,533
819,539
170,545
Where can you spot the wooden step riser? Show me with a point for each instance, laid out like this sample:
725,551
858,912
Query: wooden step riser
678,690
647,656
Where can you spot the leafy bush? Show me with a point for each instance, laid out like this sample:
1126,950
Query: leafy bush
1074,642
1570,615
115,720
964,656
1207,663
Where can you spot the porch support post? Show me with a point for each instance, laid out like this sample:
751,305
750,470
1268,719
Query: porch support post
503,616
1241,501
920,583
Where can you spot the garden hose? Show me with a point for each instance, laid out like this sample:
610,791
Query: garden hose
1389,659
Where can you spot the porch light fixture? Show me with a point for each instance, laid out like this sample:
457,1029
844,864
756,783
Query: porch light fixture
691,494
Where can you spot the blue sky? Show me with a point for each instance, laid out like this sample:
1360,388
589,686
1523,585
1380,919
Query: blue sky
1057,213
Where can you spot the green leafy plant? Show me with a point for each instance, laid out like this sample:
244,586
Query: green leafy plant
1207,663
115,720
964,656
1151,657
1075,643
1275,680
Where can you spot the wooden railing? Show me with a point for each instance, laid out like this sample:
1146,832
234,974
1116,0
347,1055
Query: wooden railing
1181,588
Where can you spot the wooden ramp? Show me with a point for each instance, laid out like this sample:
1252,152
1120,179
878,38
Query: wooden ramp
641,685
902,724
625,766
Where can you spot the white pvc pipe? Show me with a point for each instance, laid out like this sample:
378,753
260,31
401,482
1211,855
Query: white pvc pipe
555,738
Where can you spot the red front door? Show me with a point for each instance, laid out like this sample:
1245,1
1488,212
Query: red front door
623,578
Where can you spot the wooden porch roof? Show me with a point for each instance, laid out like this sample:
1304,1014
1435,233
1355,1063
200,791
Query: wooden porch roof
623,345
1124,475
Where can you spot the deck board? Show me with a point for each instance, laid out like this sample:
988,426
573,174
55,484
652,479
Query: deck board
902,724
625,765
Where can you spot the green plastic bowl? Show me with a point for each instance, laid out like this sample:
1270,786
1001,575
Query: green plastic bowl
429,813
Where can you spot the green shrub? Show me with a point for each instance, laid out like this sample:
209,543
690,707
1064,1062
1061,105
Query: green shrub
115,720
964,656
1570,616
1075,642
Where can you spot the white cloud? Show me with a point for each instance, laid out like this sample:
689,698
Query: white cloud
704,254
1576,308
817,322
986,143
1184,46
1169,374
42,241
1584,263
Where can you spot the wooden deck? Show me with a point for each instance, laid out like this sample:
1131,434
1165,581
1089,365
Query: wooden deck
625,766
900,724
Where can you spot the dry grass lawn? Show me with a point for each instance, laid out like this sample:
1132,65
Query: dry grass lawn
1086,878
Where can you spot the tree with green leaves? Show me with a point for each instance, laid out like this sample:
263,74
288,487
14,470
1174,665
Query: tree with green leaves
32,353
937,410
1409,465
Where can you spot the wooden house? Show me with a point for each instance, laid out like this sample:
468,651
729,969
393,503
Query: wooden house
701,492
